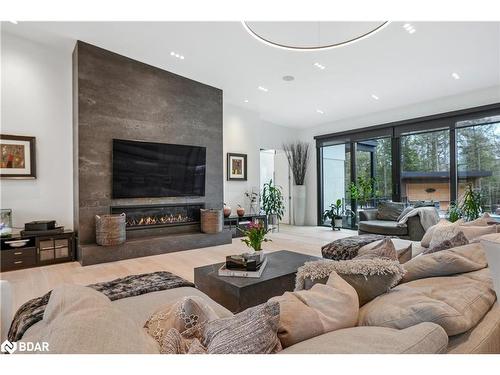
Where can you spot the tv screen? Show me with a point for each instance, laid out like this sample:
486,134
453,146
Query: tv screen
146,169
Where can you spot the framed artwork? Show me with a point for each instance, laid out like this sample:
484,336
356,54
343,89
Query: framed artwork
236,167
17,157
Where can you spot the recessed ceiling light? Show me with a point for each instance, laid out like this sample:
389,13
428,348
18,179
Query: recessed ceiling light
409,27
455,75
319,66
177,55
246,100
14,22
288,78
261,88
375,97
320,111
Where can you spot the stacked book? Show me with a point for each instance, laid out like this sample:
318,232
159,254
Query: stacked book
244,265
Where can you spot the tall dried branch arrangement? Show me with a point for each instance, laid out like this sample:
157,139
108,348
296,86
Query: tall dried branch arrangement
297,154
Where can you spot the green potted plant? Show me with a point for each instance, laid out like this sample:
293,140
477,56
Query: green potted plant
335,214
255,235
471,206
454,213
272,202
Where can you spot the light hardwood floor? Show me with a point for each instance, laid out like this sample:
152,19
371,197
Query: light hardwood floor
34,282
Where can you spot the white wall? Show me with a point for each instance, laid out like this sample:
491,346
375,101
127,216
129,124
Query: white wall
36,101
246,133
452,103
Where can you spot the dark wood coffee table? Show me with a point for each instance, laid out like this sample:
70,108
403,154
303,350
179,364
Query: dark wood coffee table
238,293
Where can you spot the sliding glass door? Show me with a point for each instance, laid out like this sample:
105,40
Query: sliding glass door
425,168
335,176
431,160
478,159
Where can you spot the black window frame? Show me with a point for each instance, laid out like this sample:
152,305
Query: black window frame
395,130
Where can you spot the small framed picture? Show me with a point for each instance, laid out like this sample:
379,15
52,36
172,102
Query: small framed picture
236,167
17,157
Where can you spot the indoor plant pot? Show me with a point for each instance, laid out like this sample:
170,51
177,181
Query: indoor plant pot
337,222
299,204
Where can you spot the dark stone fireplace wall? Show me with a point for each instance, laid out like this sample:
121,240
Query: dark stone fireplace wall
117,97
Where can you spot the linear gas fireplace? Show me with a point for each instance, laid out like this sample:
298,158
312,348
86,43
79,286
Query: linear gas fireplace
159,215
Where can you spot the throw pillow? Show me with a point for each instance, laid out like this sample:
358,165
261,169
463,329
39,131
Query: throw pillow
324,308
369,277
253,331
81,320
473,233
426,239
182,315
458,240
483,221
444,232
379,249
347,248
403,249
406,211
389,211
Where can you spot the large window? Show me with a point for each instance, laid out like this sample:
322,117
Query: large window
478,159
425,168
336,174
432,159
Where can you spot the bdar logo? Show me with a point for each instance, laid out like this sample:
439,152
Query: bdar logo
8,347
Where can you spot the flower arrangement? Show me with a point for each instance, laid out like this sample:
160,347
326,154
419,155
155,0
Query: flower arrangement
255,234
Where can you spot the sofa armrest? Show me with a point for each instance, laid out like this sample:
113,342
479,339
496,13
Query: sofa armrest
415,229
365,215
423,338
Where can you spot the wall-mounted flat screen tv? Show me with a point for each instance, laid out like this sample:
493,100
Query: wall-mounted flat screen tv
146,169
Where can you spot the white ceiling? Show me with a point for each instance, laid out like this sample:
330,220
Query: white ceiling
398,67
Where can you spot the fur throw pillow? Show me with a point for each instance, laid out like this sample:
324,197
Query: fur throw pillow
369,277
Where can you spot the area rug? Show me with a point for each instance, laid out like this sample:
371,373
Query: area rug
134,285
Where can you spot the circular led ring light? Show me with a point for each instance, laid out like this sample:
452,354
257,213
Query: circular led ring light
315,48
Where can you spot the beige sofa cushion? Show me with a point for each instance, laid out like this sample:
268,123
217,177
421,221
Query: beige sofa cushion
474,232
467,258
423,338
484,338
403,249
457,303
78,320
323,308
140,308
483,221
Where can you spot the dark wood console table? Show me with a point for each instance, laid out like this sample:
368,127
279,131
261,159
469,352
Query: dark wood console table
234,222
36,250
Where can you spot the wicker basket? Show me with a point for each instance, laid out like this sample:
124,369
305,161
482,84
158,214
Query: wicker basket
211,221
110,229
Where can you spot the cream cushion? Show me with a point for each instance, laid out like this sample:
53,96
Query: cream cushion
456,303
423,338
473,232
403,248
79,319
483,221
323,308
443,233
462,259
426,239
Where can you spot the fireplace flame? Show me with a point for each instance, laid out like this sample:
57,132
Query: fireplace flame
154,220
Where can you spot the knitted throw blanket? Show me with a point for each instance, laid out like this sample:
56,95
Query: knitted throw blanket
347,248
134,285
